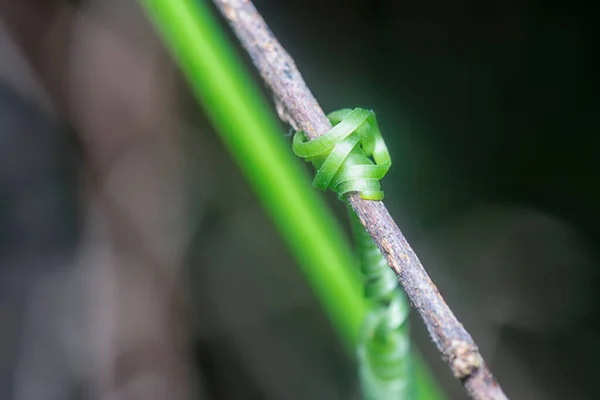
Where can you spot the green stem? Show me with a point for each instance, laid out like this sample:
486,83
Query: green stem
241,115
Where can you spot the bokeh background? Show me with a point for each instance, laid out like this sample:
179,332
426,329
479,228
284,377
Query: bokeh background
135,262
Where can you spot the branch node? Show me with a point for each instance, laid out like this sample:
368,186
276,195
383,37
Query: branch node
464,359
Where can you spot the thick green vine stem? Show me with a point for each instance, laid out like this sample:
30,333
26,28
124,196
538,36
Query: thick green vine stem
352,156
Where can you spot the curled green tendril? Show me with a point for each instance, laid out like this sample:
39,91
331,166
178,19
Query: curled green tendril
383,347
351,157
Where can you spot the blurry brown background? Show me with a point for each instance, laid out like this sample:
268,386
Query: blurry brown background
135,263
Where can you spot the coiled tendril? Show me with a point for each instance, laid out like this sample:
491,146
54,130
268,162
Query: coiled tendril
352,156
341,156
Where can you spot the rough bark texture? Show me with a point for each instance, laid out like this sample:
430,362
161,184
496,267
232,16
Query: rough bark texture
297,106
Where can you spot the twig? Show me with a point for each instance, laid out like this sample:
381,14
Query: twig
297,106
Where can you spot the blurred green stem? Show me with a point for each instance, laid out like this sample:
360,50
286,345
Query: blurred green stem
243,118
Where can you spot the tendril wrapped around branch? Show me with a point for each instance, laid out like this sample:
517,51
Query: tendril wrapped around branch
352,156
342,155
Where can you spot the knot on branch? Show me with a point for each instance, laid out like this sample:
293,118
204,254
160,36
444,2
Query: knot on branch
464,358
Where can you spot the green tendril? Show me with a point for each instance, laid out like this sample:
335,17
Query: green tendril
383,348
352,157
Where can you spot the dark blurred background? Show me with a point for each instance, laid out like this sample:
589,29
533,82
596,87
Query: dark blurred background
135,262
